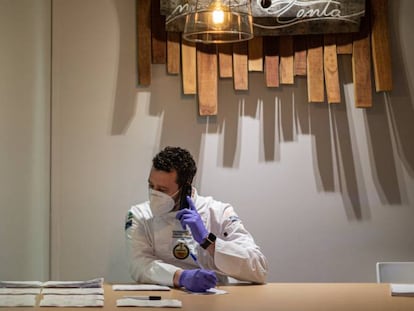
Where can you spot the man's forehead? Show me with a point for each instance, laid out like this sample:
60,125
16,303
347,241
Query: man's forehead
162,177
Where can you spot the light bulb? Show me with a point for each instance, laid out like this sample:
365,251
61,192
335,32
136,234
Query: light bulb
218,16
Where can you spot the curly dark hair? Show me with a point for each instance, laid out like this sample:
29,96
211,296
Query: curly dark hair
178,159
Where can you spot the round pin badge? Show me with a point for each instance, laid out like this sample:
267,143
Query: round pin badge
181,251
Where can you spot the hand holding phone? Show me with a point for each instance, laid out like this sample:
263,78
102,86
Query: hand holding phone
191,218
185,191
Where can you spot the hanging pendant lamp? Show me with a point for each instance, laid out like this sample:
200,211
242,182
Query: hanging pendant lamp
219,21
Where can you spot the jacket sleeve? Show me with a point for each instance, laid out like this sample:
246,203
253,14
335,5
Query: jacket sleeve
236,253
144,267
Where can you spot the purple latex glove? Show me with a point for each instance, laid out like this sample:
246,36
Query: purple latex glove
197,280
191,218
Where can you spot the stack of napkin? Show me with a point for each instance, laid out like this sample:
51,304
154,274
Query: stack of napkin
402,289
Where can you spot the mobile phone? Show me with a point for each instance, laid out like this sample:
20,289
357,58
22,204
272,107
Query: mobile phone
185,191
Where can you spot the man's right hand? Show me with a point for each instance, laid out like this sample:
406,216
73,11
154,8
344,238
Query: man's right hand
197,280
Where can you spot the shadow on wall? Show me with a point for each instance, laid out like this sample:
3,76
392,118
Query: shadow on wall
284,113
390,125
125,90
400,104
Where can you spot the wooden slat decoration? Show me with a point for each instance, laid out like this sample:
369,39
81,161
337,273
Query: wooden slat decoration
173,52
300,46
271,61
286,60
330,65
381,51
225,54
309,46
240,66
344,43
158,34
361,67
143,14
256,54
315,69
189,65
207,79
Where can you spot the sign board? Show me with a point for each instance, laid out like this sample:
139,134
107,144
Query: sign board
281,17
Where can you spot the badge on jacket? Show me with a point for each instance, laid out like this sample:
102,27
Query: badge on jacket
180,249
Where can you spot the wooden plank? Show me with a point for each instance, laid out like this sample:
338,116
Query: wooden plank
271,50
240,66
189,64
381,51
173,52
143,14
225,54
158,34
256,54
344,43
315,69
286,60
207,79
330,65
361,67
300,45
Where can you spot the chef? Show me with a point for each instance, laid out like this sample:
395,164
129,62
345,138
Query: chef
179,238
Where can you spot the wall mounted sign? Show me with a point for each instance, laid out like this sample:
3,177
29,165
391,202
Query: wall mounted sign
281,58
282,17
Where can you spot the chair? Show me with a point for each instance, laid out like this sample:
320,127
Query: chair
395,272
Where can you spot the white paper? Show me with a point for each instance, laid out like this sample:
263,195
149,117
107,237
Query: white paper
72,291
211,291
17,300
20,291
18,284
139,287
72,301
94,283
163,303
402,289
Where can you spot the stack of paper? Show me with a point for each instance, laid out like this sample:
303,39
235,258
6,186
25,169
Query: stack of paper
94,283
72,301
17,300
19,293
88,293
402,289
73,293
20,284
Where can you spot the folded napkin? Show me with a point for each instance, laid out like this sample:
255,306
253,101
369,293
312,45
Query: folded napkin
17,300
20,291
72,301
72,291
23,284
93,283
402,289
163,303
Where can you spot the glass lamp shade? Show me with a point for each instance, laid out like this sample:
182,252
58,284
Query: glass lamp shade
219,22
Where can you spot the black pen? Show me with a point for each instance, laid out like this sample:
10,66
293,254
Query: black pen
144,297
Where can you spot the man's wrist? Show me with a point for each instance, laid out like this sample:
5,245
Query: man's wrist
210,239
176,278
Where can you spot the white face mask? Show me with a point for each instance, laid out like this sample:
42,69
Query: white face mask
160,202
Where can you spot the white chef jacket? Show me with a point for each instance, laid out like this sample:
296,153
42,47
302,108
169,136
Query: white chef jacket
150,244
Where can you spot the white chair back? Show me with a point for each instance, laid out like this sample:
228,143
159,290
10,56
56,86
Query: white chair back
395,272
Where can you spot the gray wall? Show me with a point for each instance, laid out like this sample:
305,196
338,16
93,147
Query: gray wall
25,28
326,190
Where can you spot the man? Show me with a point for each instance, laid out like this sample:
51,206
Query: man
179,238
